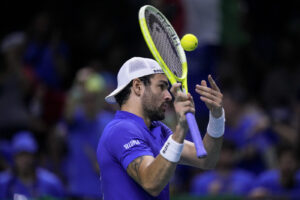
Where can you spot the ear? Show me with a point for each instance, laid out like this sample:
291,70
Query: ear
137,87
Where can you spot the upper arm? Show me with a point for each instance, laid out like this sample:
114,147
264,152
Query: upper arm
136,168
126,144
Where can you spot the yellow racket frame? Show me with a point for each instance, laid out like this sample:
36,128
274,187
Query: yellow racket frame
176,41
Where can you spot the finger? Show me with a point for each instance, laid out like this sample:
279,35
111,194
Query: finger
203,83
181,96
187,104
213,83
175,89
210,96
190,98
190,110
187,109
200,88
210,102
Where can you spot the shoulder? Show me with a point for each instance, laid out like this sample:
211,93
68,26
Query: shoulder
268,178
166,131
269,175
201,182
298,175
5,177
243,174
205,177
119,133
48,177
121,126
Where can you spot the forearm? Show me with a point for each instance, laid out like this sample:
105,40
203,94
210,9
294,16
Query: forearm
213,148
162,168
153,174
158,175
212,142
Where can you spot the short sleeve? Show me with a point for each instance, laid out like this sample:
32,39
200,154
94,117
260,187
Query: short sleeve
128,143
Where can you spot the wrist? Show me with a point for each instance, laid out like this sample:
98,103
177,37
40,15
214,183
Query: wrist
216,125
171,150
216,113
178,135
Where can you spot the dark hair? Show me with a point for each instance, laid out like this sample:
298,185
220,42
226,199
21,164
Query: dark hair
123,96
228,145
286,148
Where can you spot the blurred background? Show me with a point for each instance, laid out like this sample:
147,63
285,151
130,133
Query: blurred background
59,59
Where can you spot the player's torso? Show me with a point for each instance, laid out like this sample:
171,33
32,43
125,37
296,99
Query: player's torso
116,183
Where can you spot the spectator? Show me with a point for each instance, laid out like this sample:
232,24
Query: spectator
47,56
282,182
85,117
13,83
26,178
248,127
54,158
226,179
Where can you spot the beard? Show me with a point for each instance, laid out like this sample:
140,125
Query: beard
150,107
154,114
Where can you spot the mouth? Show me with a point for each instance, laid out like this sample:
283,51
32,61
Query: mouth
164,107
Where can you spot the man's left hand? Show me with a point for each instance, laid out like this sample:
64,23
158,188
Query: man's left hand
211,96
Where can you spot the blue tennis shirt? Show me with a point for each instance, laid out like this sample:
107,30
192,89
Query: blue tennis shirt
124,139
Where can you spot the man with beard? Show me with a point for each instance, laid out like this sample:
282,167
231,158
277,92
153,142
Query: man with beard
137,153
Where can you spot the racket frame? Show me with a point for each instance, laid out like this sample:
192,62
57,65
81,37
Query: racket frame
176,41
196,135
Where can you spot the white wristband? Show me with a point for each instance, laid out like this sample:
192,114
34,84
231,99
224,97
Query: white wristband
171,150
216,126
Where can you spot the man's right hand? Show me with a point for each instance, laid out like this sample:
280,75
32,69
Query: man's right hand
183,103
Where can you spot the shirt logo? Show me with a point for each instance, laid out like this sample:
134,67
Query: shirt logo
131,144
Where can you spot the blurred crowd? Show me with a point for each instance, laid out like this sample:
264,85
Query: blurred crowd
59,62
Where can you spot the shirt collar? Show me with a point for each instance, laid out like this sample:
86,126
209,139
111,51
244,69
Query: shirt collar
127,115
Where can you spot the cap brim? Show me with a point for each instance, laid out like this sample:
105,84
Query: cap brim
111,97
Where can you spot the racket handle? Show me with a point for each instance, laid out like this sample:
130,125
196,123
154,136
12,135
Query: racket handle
200,150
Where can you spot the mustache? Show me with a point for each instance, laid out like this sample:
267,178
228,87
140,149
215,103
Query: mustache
167,104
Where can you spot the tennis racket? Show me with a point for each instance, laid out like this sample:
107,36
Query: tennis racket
165,47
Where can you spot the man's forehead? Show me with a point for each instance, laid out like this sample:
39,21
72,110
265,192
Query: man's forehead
160,77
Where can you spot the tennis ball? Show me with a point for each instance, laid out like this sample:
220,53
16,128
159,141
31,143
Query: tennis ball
189,42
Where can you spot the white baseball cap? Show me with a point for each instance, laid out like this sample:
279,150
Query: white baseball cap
133,68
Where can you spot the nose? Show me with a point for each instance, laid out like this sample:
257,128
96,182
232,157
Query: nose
168,96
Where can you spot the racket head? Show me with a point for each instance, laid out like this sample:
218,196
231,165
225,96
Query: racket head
164,44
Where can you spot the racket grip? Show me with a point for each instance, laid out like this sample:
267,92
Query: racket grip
200,150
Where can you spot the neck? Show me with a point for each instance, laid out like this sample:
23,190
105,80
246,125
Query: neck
27,177
137,111
287,180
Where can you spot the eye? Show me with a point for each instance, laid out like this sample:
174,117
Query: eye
162,87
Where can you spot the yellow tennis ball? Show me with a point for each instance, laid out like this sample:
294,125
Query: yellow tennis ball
189,42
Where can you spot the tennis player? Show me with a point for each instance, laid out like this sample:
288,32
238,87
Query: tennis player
137,153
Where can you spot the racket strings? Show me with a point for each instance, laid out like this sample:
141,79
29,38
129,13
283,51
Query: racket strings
162,39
